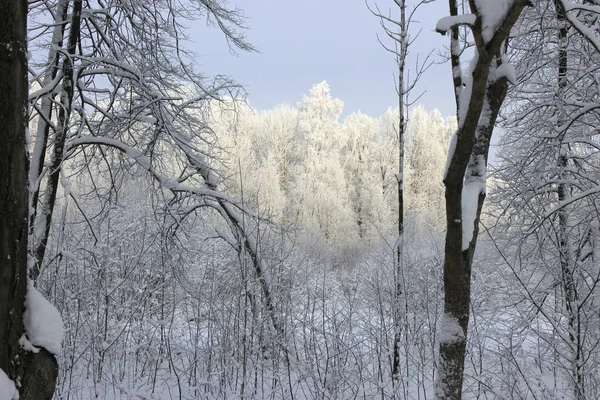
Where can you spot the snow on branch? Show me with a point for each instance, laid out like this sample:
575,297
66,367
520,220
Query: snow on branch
582,7
506,70
588,33
174,185
572,200
493,13
52,86
447,23
144,162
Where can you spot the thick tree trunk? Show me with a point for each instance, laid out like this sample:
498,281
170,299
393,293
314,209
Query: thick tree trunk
13,177
35,373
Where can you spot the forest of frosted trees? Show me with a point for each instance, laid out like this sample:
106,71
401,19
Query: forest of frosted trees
163,239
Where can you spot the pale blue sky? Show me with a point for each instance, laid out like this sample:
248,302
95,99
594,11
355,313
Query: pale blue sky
305,42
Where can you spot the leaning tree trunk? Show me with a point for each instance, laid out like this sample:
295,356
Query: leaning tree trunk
34,373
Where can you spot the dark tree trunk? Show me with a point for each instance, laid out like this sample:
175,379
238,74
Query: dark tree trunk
467,165
36,372
13,177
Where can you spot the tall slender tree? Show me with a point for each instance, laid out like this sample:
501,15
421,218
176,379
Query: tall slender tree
398,29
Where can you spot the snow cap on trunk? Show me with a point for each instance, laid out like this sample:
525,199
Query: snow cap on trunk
492,14
43,323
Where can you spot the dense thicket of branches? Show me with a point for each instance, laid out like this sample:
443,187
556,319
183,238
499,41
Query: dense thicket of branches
173,291
197,248
549,187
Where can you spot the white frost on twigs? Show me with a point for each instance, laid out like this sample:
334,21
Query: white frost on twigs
8,391
446,23
450,330
43,323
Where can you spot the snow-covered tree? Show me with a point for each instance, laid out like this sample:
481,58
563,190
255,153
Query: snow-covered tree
320,198
479,93
362,174
427,139
117,98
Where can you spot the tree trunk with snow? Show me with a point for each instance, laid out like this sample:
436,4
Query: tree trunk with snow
45,109
34,373
479,95
60,138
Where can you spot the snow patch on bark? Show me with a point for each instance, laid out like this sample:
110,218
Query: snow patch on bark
464,98
507,70
451,150
470,200
450,330
43,323
66,184
26,345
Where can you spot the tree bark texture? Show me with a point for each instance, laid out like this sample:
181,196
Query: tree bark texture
466,164
34,373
